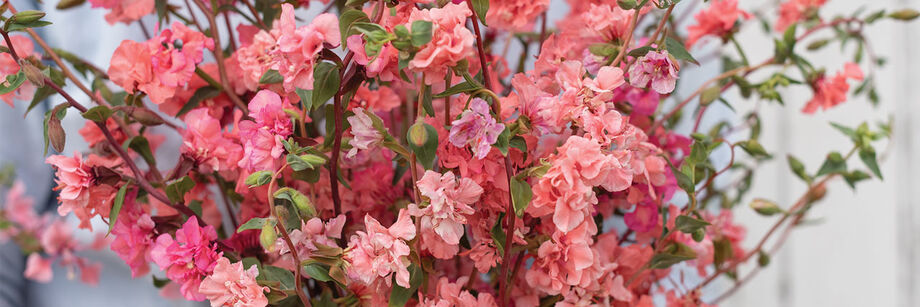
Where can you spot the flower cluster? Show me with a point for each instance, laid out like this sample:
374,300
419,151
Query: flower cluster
400,153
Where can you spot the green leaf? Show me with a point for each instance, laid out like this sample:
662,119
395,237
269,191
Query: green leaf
640,52
867,155
259,178
255,223
855,176
273,273
176,189
504,141
98,114
12,82
300,201
201,94
421,32
789,37
159,283
399,296
140,145
306,98
678,50
271,77
23,26
710,94
698,154
833,164
846,130
607,49
347,21
325,82
722,251
116,206
498,233
688,224
464,87
521,194
671,255
426,100
482,8
317,271
798,168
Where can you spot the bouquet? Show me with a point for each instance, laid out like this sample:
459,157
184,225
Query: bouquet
397,152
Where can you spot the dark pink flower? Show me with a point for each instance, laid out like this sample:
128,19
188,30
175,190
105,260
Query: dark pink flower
188,258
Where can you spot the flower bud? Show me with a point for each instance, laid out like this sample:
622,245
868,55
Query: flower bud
27,16
905,14
765,207
418,135
56,135
268,237
146,117
66,4
817,193
33,74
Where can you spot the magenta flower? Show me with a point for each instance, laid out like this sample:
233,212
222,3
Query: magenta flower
476,127
187,258
656,68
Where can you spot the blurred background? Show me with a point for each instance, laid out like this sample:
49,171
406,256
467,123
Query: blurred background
858,249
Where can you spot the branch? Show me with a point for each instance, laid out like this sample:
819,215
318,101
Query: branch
219,55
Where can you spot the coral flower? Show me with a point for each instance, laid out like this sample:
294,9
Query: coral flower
793,11
124,11
378,252
830,92
717,20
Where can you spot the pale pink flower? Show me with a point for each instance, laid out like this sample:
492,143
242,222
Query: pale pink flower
477,128
378,251
451,42
262,137
310,234
830,92
449,205
188,258
608,78
38,268
19,209
205,143
299,47
383,65
608,20
257,57
716,20
793,11
231,285
656,68
124,11
364,135
515,15
562,261
57,238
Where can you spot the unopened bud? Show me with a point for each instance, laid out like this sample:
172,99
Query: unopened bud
905,14
765,207
268,236
418,135
817,193
27,16
56,135
146,117
66,4
33,74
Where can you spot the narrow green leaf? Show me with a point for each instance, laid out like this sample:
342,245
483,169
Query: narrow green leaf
521,194
687,224
678,50
254,223
867,155
271,77
482,8
98,114
116,206
259,178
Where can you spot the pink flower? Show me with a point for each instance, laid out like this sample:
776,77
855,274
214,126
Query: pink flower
608,78
299,47
57,238
384,65
19,209
608,20
643,219
656,68
205,143
74,177
38,268
793,11
378,251
310,234
124,11
562,261
8,67
451,42
187,258
231,285
477,128
717,20
133,232
365,136
449,205
262,137
830,92
515,15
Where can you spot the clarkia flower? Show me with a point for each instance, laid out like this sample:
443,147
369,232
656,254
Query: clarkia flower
188,257
477,128
449,205
832,91
657,68
124,11
231,285
378,251
364,135
716,20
